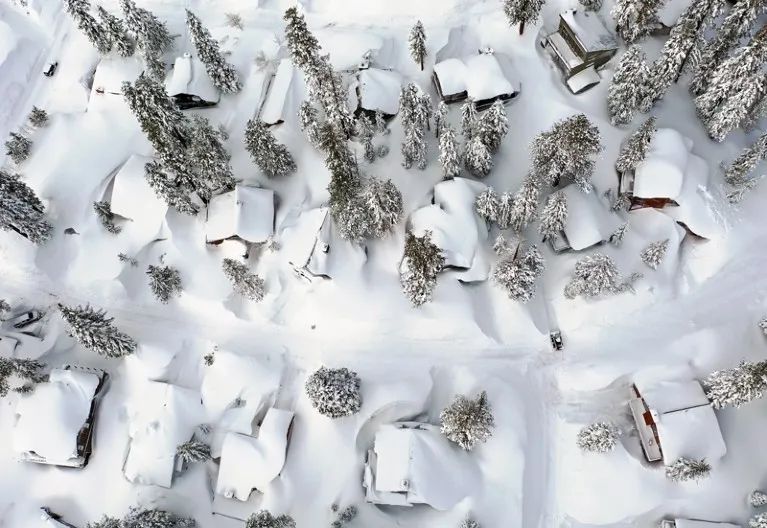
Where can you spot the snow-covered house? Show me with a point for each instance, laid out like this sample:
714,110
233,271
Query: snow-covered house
161,416
273,105
690,523
581,46
675,419
477,77
589,221
245,214
112,72
189,85
413,463
377,90
353,49
133,198
55,423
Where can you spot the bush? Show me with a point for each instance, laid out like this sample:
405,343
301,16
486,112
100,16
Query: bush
334,392
599,437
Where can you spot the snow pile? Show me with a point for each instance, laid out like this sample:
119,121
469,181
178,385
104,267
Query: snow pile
246,213
111,73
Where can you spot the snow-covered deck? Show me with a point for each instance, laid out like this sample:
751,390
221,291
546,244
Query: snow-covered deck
661,173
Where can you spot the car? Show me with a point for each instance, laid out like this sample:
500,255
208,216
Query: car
556,339
50,69
25,319
52,519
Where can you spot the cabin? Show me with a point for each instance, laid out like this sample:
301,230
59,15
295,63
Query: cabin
189,85
110,74
675,419
691,523
580,47
245,214
273,105
589,221
132,198
55,423
351,50
376,91
413,463
479,78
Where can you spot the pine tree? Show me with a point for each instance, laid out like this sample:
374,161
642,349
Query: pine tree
468,422
168,189
554,215
736,193
468,119
364,130
244,282
116,33
212,167
493,125
625,93
21,210
735,110
599,437
635,148
106,522
271,157
303,46
382,203
517,273
653,253
164,281
524,204
414,147
345,184
143,518
595,275
417,43
737,172
4,307
505,213
79,10
309,121
757,499
448,153
326,88
486,205
635,18
264,519
591,5
758,521
18,147
522,11
29,370
736,386
152,36
440,119
94,330
193,451
380,123
685,469
616,238
234,20
223,74
421,262
334,392
106,217
123,257
38,117
477,158
469,523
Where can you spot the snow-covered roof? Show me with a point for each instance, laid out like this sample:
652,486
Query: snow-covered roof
190,78
348,47
693,210
133,198
249,463
273,109
661,173
379,90
583,79
589,221
687,523
161,416
589,30
667,396
480,76
563,49
246,212
669,11
49,419
111,72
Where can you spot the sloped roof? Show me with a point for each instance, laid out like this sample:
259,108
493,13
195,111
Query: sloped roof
273,109
246,212
693,210
666,396
379,90
661,173
189,77
589,30
111,72
348,47
589,221
133,198
480,76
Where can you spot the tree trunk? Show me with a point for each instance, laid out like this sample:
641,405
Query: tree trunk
421,62
521,27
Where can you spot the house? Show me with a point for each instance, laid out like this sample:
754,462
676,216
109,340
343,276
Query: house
477,77
413,463
273,106
251,462
580,47
189,84
353,49
245,214
134,199
161,417
675,419
589,221
55,423
690,523
111,73
377,90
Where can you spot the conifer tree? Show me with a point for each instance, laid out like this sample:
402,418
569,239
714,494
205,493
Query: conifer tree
685,469
271,157
38,117
517,273
417,43
524,204
380,123
440,119
469,523
152,36
327,89
164,281
737,192
737,172
382,205
244,282
522,11
264,519
758,521
653,253
735,110
345,184
21,210
468,421
365,132
505,212
153,518
106,217
493,125
223,74
309,121
79,10
554,215
414,147
210,160
116,33
421,262
616,238
599,437
757,499
635,148
477,157
625,93
449,157
468,119
595,275
193,451
303,47
94,330
334,392
18,147
635,18
168,188
486,205
738,385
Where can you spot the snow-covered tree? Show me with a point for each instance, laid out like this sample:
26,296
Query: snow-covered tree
505,214
79,10
525,204
18,147
271,157
116,33
94,330
468,119
735,110
244,282
440,119
28,370
421,262
595,275
193,451
365,131
309,121
345,516
738,171
124,257
168,189
334,392
486,204
417,43
154,518
737,192
414,147
685,469
106,522
223,74
757,499
522,11
653,253
234,20
264,519
625,93
345,183
635,18
302,45
211,161
567,151
21,210
382,203
469,523
738,385
616,238
468,421
326,88
4,307
380,123
152,36
415,111
106,216
517,274
449,157
553,215
591,5
599,437
493,125
477,157
758,521
164,281
635,148
38,117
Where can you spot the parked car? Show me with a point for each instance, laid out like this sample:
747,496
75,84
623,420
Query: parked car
556,339
50,69
25,319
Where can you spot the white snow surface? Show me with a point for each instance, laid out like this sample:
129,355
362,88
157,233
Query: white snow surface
589,220
480,76
246,212
661,173
188,77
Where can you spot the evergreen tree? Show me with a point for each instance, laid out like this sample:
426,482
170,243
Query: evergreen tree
685,469
653,254
591,5
524,204
635,18
94,330
212,167
164,281
168,189
595,275
326,88
736,386
234,20
448,153
244,282
223,74
616,238
469,523
554,215
345,184
736,193
757,499
522,11
271,157
477,158
193,451
264,519
29,370
415,111
334,392
309,121
735,110
38,117
106,217
737,172
116,33
142,518
517,273
625,93
486,205
421,262
417,43
18,147
468,422
382,203
152,36
21,210
106,522
303,47
380,123
4,307
758,521
468,119
493,126
505,213
79,10
414,147
365,132
440,119
635,148
599,437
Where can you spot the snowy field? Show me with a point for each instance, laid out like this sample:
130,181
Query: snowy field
696,313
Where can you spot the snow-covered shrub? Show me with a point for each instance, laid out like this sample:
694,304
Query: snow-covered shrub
738,385
106,216
421,263
469,523
18,147
106,522
757,499
233,20
164,281
122,257
4,307
468,422
271,157
685,469
38,117
264,519
334,392
758,521
616,238
595,275
143,518
193,451
762,325
599,437
94,330
244,282
653,254
345,516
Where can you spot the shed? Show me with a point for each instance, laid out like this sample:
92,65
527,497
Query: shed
272,110
378,91
245,214
413,463
589,221
134,199
55,423
675,419
112,72
477,77
189,85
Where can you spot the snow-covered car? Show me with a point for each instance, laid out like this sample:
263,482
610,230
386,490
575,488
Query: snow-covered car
556,340
25,319
50,69
53,520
